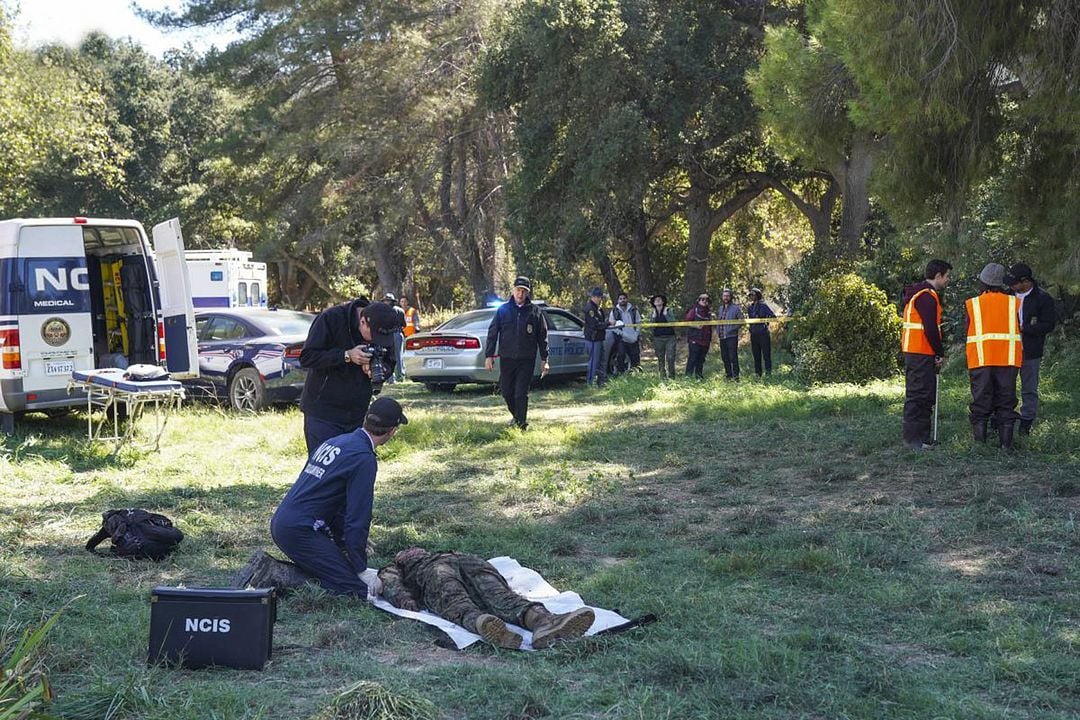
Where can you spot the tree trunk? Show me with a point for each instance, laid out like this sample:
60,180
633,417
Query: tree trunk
611,278
854,177
698,214
389,263
641,256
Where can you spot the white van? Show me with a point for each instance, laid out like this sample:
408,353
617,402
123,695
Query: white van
226,279
84,293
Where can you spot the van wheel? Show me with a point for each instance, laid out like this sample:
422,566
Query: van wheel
246,391
440,387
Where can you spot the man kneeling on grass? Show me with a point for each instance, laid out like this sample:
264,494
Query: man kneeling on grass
469,591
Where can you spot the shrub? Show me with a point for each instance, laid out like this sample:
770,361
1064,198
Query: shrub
850,332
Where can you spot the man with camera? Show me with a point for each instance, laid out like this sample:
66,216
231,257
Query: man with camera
349,354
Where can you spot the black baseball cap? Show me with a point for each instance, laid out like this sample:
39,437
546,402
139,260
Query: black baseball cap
596,292
1018,272
522,281
386,412
384,321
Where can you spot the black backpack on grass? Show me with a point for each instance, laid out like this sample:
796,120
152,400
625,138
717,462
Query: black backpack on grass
136,533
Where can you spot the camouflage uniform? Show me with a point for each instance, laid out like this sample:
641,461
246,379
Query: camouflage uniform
457,586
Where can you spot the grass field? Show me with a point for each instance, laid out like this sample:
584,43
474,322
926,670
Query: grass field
801,563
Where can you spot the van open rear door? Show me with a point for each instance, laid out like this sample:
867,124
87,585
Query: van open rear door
174,288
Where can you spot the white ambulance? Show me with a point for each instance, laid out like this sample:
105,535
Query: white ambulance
83,293
226,278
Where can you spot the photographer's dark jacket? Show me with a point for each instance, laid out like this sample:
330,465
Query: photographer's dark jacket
759,309
335,390
595,322
518,332
1039,318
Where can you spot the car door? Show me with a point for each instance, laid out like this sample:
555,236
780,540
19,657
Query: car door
567,352
220,343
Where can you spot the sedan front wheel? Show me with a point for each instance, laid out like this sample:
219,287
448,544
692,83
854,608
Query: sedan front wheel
246,391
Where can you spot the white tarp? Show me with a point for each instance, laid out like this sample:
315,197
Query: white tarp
524,582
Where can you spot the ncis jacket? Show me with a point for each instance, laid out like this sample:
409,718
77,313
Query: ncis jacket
518,332
1039,316
335,490
335,390
921,334
993,332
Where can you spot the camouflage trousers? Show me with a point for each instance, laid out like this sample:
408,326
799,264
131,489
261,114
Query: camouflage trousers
463,591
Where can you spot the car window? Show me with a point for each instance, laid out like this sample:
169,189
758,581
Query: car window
559,321
475,320
283,322
202,326
224,328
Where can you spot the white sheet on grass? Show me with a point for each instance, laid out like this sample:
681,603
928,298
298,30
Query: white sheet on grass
524,582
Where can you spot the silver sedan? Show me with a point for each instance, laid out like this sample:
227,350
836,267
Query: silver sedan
453,353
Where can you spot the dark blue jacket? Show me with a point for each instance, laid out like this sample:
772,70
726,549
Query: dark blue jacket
519,332
595,322
334,390
336,487
1040,317
759,309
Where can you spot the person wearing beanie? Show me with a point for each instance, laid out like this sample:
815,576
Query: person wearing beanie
727,336
337,355
760,341
698,337
518,331
1037,317
993,356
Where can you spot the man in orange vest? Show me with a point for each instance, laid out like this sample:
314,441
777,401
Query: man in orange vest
412,317
924,352
994,356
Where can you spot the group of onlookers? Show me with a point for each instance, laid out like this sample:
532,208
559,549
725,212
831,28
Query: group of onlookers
1004,338
617,335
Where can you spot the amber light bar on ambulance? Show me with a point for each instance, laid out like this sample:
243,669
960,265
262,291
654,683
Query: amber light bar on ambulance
10,356
461,343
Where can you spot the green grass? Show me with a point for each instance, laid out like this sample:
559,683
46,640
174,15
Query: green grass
801,562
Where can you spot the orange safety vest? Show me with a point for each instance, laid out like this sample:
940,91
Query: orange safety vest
410,321
913,338
993,331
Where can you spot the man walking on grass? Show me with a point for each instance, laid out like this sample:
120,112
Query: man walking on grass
518,331
924,352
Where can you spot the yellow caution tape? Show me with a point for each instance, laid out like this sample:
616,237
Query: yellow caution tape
702,323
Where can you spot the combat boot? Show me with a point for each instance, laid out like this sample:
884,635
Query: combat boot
1005,435
548,627
494,631
978,428
1025,427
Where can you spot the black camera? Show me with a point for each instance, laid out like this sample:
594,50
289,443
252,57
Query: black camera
378,366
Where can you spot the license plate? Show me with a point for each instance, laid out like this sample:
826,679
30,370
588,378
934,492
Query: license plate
433,363
59,368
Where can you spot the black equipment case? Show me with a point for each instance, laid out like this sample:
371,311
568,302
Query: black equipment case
200,627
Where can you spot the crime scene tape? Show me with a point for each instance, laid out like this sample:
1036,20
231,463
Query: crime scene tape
702,323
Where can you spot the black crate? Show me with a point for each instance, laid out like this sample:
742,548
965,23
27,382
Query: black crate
200,627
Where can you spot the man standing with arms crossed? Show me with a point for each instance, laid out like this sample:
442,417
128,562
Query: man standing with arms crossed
1037,318
923,351
518,331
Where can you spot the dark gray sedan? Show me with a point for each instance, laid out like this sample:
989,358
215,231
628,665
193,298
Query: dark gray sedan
453,353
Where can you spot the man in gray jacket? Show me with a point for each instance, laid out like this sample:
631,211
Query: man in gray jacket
627,339
728,334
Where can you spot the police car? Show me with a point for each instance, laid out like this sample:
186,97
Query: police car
251,356
84,293
453,353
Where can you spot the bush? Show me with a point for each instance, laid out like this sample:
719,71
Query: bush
850,332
